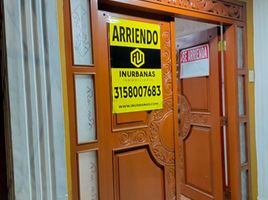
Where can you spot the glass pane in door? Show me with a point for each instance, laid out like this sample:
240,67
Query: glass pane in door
81,32
241,93
243,143
240,48
88,175
244,184
85,108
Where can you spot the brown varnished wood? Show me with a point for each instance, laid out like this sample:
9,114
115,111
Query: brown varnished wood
198,165
157,134
200,147
233,139
200,86
172,8
245,119
226,9
144,173
151,137
175,103
137,119
72,70
71,105
231,106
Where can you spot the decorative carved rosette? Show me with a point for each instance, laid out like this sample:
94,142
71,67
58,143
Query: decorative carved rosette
162,154
184,116
167,108
132,137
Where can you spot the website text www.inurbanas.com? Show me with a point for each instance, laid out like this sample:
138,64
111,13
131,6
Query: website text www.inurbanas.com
138,105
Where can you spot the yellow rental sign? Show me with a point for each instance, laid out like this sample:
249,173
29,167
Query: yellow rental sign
128,33
135,66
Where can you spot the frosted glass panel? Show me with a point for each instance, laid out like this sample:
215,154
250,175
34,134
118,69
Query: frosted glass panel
243,143
81,31
241,105
88,176
85,111
244,185
240,63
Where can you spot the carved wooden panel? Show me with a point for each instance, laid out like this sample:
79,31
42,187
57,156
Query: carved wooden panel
132,137
213,7
135,133
163,155
198,159
138,176
184,110
161,121
187,117
182,197
171,183
201,87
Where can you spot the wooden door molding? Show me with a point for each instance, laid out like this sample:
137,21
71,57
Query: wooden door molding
226,9
184,109
189,117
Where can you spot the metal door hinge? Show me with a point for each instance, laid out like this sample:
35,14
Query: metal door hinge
222,45
224,121
227,195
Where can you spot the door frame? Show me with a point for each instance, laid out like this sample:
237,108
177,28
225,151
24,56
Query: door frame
233,14
230,15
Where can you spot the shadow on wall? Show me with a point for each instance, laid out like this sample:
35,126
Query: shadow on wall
3,172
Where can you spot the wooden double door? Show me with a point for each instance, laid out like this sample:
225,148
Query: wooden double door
171,153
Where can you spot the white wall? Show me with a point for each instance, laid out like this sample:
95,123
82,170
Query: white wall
35,94
260,11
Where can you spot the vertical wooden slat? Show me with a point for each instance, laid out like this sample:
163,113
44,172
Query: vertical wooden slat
232,112
71,71
175,106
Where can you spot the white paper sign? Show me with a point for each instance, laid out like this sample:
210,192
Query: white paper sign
194,62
